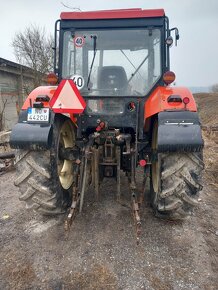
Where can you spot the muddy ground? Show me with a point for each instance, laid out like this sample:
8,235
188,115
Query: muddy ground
100,251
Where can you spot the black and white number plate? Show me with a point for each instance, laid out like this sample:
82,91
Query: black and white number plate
38,115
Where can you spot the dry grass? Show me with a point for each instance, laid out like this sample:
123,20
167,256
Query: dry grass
207,107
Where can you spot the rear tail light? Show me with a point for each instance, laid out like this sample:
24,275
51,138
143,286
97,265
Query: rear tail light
169,77
52,79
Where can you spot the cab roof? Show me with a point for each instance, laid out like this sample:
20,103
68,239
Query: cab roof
113,14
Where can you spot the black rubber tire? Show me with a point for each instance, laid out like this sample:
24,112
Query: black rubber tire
37,177
179,183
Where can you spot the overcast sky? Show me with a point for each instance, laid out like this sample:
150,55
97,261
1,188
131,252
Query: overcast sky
194,60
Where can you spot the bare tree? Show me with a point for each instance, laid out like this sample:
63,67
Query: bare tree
214,88
33,48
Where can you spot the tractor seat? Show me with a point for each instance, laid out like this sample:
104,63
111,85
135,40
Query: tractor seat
112,77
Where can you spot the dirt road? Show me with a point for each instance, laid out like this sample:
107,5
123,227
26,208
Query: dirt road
100,251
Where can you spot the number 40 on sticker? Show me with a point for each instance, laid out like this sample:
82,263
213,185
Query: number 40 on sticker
79,81
79,41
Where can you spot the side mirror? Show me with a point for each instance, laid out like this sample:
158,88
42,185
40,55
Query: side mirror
176,33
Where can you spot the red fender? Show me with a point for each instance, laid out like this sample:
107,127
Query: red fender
39,91
157,101
43,91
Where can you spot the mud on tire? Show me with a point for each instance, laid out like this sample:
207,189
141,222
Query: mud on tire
180,184
175,181
38,177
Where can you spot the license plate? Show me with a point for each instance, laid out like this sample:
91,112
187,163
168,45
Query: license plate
38,115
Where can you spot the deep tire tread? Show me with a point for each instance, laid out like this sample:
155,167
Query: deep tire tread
28,194
35,184
37,174
39,187
23,176
180,189
37,167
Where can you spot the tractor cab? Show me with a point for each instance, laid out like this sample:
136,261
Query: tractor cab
114,58
112,62
115,52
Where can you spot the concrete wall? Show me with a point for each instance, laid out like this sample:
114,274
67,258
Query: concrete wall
15,82
9,95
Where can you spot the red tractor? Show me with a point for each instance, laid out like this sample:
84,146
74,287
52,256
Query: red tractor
110,108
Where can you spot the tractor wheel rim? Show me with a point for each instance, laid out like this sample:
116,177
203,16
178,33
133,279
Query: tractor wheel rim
66,140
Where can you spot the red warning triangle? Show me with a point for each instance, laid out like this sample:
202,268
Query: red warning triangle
67,99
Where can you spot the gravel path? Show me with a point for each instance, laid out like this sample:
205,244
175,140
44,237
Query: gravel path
100,251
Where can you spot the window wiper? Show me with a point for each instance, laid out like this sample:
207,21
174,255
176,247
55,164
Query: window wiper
93,59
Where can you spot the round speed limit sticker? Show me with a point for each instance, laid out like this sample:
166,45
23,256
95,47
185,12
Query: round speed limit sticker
79,81
79,41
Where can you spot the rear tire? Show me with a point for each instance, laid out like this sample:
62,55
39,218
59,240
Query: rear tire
175,181
42,185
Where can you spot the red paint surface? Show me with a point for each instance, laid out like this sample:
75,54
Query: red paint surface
157,102
40,91
113,14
